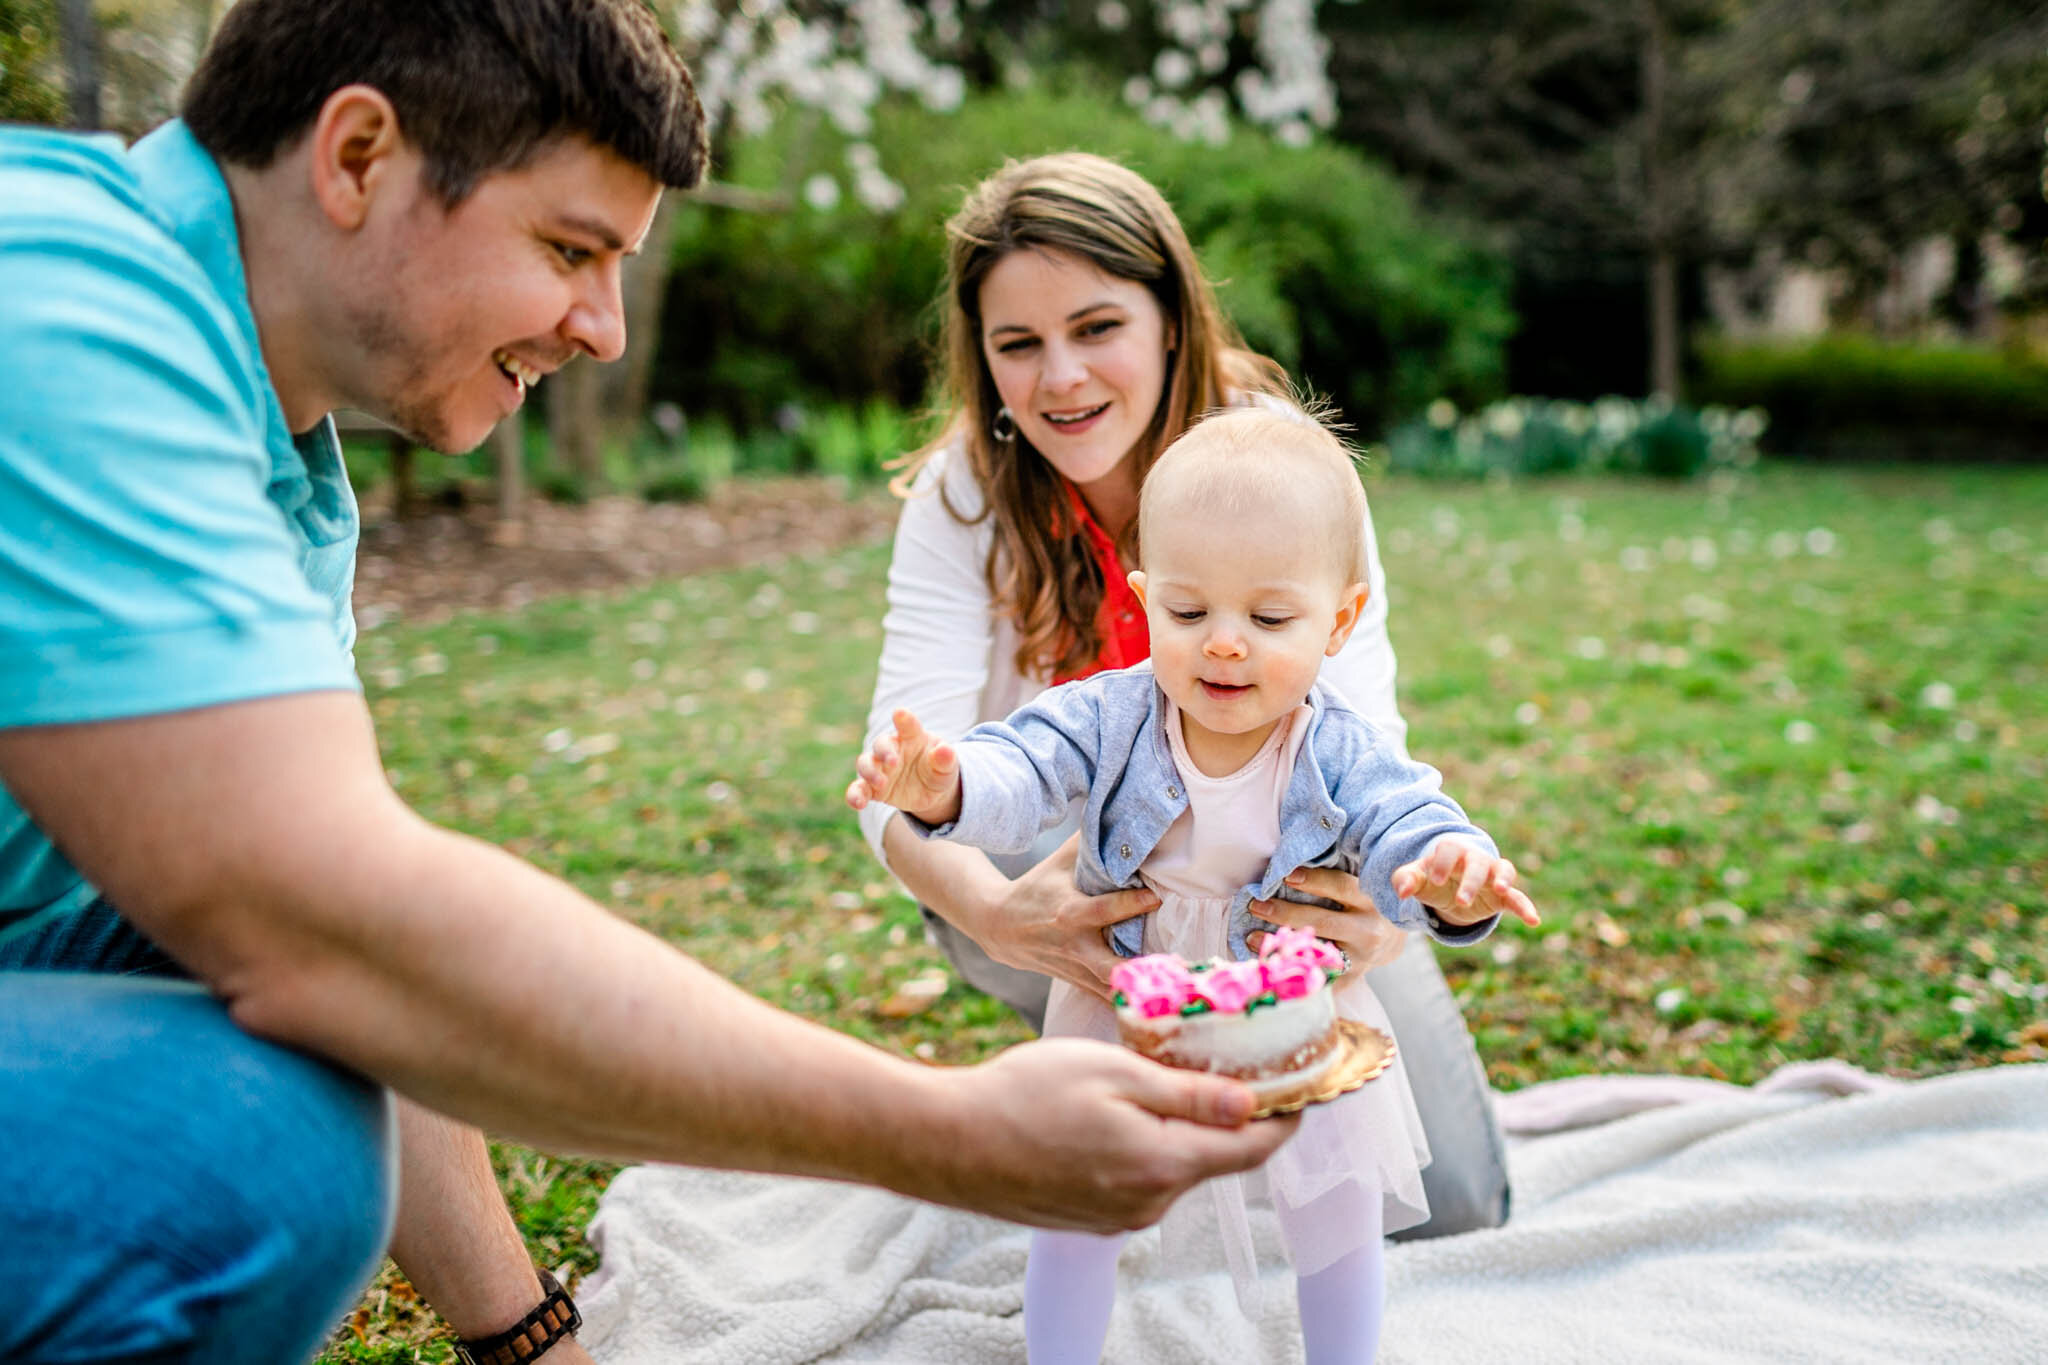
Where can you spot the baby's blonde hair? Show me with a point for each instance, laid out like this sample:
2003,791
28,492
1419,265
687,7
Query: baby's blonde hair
1234,461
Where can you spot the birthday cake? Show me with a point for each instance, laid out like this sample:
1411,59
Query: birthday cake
1270,1022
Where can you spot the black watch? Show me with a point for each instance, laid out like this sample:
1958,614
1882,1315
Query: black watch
531,1336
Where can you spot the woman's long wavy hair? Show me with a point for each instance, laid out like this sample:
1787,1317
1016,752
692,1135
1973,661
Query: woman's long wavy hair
1039,569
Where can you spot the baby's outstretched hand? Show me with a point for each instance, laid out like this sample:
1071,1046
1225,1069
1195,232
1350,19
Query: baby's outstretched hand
1464,884
909,770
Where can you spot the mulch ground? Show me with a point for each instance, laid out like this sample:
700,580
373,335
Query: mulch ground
440,561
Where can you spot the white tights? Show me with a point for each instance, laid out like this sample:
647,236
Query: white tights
1070,1287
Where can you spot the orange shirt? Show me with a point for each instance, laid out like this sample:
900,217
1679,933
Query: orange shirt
1120,624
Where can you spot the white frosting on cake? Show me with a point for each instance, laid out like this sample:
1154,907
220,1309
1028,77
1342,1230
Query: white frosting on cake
1255,1047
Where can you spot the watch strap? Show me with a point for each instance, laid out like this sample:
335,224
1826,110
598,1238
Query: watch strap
530,1337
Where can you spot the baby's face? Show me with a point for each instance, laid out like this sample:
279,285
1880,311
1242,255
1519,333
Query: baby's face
1242,615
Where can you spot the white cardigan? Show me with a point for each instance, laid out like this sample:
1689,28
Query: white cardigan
950,657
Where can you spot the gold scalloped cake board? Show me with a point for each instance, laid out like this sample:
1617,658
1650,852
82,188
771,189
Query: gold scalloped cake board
1367,1053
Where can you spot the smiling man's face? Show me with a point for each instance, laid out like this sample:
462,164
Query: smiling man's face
467,307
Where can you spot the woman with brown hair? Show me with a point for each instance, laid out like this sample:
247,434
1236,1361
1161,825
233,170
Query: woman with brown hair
1081,337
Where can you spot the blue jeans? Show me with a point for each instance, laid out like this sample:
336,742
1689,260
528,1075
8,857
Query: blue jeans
176,1190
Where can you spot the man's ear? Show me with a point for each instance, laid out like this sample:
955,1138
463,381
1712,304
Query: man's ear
353,147
1348,607
1137,581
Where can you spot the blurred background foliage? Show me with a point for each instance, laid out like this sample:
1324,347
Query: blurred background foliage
1613,435
28,38
1321,257
1835,212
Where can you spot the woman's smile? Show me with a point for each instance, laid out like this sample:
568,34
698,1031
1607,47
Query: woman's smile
1078,357
1073,422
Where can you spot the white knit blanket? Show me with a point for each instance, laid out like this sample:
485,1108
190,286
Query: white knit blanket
1824,1216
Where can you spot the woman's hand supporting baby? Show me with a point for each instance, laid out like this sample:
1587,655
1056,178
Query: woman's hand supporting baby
1351,921
909,770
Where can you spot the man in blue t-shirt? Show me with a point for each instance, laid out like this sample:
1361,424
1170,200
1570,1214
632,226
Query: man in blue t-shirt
254,1010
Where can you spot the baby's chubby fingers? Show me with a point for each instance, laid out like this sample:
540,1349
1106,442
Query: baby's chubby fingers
909,729
1520,906
1407,880
1472,879
1507,893
875,769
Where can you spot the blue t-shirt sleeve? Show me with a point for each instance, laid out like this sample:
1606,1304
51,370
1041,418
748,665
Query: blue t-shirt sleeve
142,566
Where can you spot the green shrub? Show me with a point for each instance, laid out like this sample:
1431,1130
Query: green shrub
855,443
673,480
28,46
1320,257
1535,437
564,486
1854,396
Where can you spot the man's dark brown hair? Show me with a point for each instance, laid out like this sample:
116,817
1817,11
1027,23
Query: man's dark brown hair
479,85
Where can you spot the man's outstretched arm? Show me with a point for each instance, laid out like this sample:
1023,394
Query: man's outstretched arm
259,843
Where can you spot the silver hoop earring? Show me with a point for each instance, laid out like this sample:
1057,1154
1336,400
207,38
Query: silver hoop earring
1004,428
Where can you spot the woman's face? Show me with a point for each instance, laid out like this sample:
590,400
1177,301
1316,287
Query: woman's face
1079,357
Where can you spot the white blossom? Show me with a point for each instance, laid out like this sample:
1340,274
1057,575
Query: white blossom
821,192
754,57
877,192
1173,68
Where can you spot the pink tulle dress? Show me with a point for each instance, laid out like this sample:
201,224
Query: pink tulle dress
1368,1144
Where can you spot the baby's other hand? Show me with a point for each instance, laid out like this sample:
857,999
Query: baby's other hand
909,770
1464,884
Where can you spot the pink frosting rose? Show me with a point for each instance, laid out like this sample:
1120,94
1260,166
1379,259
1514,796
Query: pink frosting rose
1295,944
1156,986
1230,986
1290,978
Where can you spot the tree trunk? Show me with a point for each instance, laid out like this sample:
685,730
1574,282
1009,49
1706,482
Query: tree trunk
508,444
81,39
576,420
1659,216
405,485
645,289
1664,377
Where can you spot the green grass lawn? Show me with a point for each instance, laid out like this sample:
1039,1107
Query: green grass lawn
1772,752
